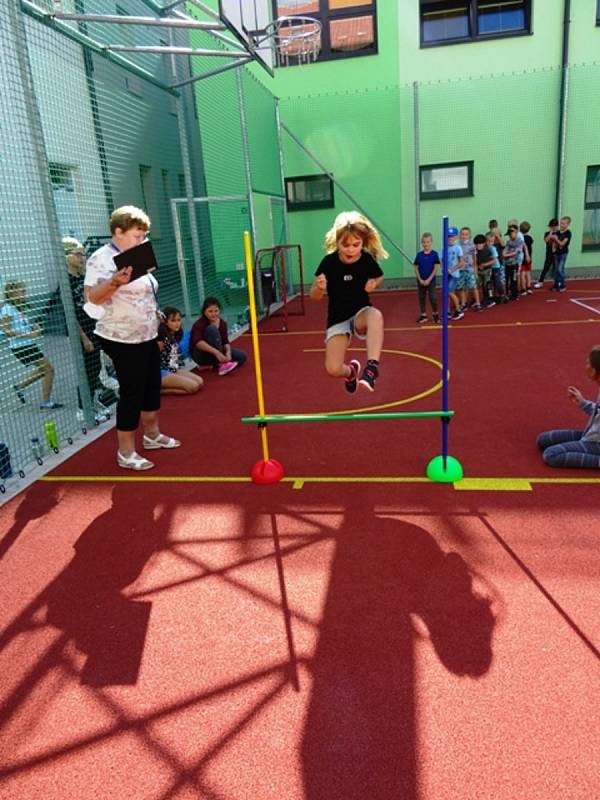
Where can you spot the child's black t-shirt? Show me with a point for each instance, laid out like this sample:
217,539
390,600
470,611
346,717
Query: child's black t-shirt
346,285
529,243
561,236
483,255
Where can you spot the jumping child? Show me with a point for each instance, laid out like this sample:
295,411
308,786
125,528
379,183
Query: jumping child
576,448
348,273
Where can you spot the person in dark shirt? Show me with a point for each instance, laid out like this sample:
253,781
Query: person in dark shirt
75,261
562,239
427,263
550,248
209,340
348,274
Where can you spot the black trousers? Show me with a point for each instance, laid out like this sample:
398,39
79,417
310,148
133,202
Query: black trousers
427,291
138,372
92,367
547,268
511,272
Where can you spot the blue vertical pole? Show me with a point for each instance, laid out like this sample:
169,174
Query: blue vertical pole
445,407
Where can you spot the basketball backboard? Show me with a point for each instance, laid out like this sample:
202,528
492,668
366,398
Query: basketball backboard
244,18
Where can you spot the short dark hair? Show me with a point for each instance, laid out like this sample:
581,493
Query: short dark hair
553,222
479,239
211,301
595,358
524,227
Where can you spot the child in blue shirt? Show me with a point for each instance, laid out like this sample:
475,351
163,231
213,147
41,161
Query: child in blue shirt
467,280
499,289
455,263
427,262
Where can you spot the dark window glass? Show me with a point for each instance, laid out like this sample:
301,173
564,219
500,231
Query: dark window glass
445,21
306,192
446,180
500,17
591,214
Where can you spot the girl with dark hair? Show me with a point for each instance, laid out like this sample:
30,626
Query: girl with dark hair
174,380
209,341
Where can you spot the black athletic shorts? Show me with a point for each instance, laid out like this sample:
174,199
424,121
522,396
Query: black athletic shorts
28,354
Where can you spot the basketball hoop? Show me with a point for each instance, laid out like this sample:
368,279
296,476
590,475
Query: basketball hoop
296,38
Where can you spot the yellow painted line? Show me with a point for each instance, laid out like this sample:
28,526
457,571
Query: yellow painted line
145,479
494,485
506,484
455,326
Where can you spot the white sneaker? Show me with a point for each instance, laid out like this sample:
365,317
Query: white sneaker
538,285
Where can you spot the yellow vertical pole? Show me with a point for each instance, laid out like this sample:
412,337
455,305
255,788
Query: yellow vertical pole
255,345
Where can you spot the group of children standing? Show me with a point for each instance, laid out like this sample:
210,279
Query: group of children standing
490,268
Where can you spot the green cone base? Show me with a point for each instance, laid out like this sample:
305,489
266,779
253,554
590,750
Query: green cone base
436,472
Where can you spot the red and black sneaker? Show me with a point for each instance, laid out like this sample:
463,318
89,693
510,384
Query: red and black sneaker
369,376
352,380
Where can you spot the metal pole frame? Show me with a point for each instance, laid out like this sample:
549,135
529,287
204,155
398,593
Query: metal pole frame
189,184
417,163
445,364
247,169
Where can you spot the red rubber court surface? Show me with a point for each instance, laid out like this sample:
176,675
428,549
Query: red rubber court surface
354,632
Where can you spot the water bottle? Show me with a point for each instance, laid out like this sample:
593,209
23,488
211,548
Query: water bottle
51,435
37,451
5,466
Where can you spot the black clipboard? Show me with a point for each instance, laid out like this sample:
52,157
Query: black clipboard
141,258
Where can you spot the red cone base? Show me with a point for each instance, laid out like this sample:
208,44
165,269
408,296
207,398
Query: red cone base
265,472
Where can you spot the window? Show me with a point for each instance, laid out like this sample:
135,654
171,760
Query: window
306,192
348,27
149,198
446,180
62,180
591,213
455,21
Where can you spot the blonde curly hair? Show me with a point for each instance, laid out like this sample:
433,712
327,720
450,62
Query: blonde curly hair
351,222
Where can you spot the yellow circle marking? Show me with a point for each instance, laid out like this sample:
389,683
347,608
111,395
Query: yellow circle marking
395,403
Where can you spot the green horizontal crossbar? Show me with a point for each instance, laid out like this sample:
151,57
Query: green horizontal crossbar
346,417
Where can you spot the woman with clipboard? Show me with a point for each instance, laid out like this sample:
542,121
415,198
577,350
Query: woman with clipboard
121,296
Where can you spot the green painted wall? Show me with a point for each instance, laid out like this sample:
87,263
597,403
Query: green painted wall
496,103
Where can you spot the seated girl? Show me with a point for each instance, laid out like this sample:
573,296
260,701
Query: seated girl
23,340
174,380
209,340
577,448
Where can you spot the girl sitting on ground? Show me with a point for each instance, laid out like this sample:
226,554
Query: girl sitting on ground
22,339
209,340
173,379
577,448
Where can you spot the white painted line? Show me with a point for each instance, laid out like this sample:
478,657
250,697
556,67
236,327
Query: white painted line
584,305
